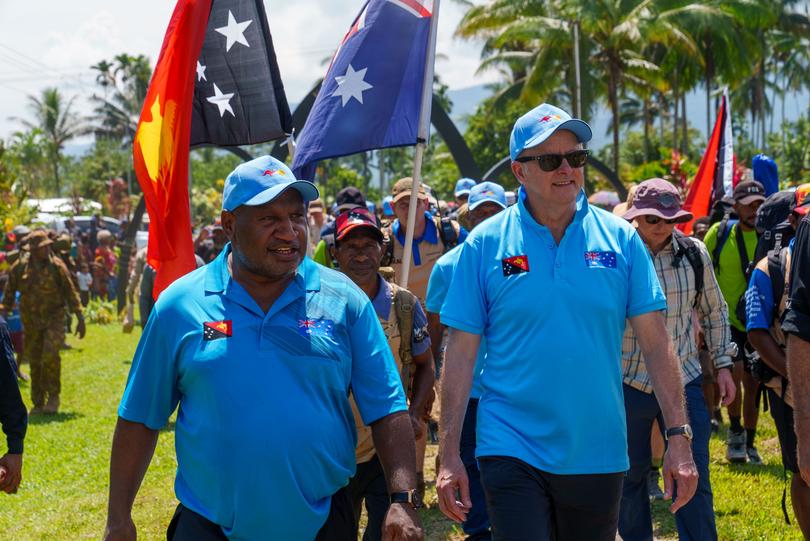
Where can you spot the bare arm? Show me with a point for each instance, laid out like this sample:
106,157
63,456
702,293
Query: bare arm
798,365
394,442
769,351
423,377
462,349
132,450
665,374
436,332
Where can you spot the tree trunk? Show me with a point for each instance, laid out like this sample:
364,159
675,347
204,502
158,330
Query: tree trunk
56,180
684,126
613,97
675,102
646,129
709,78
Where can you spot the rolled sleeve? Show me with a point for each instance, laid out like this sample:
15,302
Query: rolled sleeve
151,393
797,318
464,307
375,382
713,312
645,293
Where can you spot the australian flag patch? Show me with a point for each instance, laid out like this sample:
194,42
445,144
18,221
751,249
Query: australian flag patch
515,265
316,327
600,260
213,330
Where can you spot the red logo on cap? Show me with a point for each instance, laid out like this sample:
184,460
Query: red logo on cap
545,118
273,172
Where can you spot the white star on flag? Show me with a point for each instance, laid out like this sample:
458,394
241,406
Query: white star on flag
235,32
201,72
351,85
222,101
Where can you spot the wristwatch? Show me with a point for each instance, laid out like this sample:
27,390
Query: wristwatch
684,430
411,497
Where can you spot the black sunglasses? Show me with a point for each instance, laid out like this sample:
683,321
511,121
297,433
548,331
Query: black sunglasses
550,162
653,220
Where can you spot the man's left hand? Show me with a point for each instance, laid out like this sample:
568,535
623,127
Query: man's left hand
10,473
726,386
680,468
402,524
81,329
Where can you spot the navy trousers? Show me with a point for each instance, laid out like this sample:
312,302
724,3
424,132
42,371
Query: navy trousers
695,520
476,527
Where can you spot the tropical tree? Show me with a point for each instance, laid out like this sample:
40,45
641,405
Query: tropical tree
55,118
125,82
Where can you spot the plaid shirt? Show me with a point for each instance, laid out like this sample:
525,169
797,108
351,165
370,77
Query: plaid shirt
683,318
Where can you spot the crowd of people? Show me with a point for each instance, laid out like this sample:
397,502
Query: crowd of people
564,356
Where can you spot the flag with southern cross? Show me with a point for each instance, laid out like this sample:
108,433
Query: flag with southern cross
372,92
161,146
600,260
515,265
238,94
316,327
214,330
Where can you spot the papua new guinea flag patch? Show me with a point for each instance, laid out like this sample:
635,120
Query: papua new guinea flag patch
213,330
515,265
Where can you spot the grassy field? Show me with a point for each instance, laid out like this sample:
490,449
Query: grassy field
64,490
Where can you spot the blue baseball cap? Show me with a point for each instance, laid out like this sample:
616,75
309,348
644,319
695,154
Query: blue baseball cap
388,210
486,192
260,181
540,123
463,186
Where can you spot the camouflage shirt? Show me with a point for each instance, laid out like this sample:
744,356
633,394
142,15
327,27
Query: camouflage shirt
46,290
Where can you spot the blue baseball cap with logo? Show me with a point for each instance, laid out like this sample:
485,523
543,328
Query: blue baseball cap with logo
388,210
463,186
260,181
486,192
540,123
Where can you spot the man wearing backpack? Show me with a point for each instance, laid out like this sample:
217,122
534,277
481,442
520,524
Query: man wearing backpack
685,272
732,244
358,249
485,200
766,301
432,237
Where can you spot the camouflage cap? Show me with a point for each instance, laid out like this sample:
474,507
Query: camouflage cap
63,243
38,239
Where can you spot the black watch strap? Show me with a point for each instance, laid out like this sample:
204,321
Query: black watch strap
410,497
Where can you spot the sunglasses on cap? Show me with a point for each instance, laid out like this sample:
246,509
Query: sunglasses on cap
654,220
551,162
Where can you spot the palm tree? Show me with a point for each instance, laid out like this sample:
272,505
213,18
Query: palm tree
117,114
58,123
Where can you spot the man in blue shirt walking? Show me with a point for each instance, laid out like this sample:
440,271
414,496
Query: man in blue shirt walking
259,349
549,283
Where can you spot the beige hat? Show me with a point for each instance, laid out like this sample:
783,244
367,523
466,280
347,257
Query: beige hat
402,188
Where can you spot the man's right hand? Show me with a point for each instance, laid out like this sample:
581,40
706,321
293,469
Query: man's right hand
121,531
451,485
10,472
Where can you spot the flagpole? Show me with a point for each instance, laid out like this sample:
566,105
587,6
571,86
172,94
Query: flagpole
423,135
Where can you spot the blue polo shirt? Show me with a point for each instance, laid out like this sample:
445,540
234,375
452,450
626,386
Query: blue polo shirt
430,235
553,379
265,432
440,278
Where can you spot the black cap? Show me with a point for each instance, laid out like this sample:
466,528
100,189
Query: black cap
749,191
349,198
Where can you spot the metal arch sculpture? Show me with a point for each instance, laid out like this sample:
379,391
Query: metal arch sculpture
439,118
502,166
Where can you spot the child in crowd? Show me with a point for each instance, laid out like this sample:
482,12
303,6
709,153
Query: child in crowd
85,280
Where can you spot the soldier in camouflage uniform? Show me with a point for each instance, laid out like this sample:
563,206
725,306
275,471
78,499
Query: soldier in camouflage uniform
46,291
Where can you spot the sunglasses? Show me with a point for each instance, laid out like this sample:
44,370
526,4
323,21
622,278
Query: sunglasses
654,220
551,162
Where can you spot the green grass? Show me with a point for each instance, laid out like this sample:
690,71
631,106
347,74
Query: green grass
65,475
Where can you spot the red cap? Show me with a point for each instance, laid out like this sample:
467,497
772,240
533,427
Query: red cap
354,218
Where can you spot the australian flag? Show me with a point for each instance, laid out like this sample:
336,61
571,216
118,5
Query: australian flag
601,260
372,92
316,327
238,95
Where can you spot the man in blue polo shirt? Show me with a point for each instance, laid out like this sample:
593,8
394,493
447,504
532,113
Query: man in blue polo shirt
549,283
485,200
260,349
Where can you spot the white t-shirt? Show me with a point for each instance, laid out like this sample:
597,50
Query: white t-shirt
85,279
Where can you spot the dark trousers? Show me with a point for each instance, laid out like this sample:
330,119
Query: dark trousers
526,504
369,484
695,520
477,524
186,525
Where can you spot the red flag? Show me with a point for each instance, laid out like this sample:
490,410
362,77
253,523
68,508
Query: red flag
714,172
161,144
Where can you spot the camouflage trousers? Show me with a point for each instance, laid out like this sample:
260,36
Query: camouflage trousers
42,345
